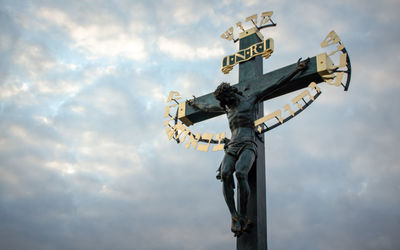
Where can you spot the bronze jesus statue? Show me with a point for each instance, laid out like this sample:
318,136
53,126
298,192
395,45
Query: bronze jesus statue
241,149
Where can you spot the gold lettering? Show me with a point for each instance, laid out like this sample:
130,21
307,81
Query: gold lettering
268,48
313,85
343,60
184,133
265,17
254,51
330,39
328,77
339,48
247,53
228,35
205,136
338,79
219,146
180,128
276,114
240,54
175,131
253,19
166,112
243,55
170,132
171,96
300,97
287,108
239,25
193,141
167,121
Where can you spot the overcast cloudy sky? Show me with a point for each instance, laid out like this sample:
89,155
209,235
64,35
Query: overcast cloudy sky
85,162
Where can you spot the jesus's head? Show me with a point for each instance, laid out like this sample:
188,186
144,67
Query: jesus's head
227,95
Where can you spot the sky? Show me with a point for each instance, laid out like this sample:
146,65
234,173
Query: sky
85,162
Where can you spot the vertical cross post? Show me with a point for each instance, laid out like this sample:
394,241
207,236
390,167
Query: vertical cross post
256,239
251,81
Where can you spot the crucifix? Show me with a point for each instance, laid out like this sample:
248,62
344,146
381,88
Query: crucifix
243,105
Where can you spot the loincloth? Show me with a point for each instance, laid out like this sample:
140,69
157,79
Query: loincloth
236,148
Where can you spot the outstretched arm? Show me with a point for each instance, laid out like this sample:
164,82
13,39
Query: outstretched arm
204,107
301,66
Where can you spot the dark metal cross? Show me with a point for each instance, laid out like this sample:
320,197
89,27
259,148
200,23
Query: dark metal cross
252,79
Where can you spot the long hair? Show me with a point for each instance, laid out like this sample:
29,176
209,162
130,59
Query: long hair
225,94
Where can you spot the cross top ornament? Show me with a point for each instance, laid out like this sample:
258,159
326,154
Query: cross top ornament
242,103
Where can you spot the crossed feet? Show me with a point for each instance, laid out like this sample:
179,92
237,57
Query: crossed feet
240,225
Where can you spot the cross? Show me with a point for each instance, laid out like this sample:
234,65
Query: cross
252,79
243,104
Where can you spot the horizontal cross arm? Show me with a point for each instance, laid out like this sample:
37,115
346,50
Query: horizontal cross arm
273,85
270,84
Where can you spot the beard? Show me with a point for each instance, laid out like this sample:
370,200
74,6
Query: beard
230,100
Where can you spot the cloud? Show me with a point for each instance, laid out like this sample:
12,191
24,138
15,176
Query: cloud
181,50
85,162
99,39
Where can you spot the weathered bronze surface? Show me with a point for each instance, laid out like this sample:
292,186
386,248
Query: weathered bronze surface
241,151
242,103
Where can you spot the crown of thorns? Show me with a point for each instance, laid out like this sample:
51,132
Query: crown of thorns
225,88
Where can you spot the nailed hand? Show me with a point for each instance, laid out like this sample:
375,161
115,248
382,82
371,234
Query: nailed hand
302,65
192,101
